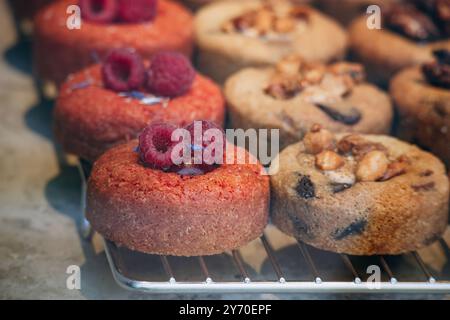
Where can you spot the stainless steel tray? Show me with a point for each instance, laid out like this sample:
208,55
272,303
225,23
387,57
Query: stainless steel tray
276,263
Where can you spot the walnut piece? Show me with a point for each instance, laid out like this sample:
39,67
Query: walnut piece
318,140
329,160
372,166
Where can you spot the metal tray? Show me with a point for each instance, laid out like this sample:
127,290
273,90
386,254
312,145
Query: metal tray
276,263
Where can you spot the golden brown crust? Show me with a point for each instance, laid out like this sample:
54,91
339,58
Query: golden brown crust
164,213
402,214
424,112
221,53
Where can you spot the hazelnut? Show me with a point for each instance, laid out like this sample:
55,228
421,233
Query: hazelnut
396,168
372,166
289,65
329,160
284,25
318,140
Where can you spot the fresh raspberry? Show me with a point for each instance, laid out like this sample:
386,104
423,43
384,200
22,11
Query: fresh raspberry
99,11
170,74
123,70
156,145
137,10
203,160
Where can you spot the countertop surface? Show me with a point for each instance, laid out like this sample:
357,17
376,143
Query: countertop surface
40,199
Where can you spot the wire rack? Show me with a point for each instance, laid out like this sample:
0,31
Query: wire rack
292,267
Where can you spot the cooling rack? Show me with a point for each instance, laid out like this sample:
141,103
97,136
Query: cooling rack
276,263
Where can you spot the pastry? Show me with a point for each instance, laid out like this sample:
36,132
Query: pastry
425,111
97,109
232,35
360,194
294,95
134,200
59,51
408,35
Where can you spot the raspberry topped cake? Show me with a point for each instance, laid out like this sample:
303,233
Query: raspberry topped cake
138,197
410,31
295,94
110,103
425,110
148,26
359,194
235,34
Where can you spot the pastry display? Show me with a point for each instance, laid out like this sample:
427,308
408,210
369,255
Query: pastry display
294,95
110,103
236,34
425,110
359,194
139,199
409,33
148,26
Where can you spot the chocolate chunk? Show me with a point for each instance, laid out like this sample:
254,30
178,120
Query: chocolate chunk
355,228
412,23
442,56
339,187
426,173
437,74
349,117
423,187
299,224
305,188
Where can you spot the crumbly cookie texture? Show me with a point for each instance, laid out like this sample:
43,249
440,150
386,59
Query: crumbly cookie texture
296,94
362,194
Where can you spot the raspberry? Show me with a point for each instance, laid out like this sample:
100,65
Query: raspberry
123,70
99,11
204,161
170,74
155,146
137,10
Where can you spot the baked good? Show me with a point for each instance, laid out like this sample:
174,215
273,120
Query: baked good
90,117
24,11
408,35
424,112
345,11
232,35
146,209
294,95
59,51
359,194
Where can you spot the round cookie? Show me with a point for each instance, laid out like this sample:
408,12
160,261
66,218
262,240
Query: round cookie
295,95
90,118
385,51
232,35
424,112
383,197
59,51
164,213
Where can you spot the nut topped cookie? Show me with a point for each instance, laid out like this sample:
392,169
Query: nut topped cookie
359,194
410,31
425,110
235,34
295,94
